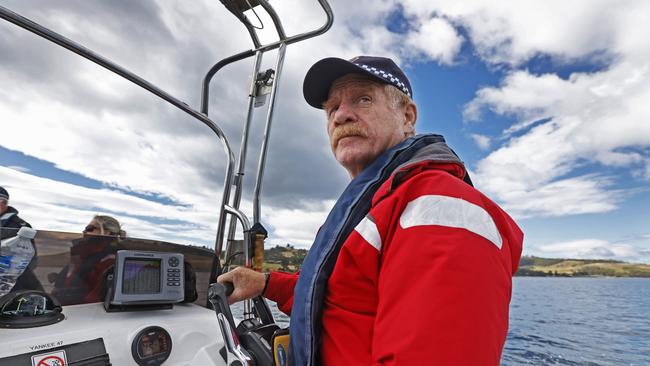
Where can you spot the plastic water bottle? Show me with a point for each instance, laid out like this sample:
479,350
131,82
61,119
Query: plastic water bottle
15,255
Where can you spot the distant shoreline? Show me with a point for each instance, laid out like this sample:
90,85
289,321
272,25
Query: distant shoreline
588,276
289,259
531,266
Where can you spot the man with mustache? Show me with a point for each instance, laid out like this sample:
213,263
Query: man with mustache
413,265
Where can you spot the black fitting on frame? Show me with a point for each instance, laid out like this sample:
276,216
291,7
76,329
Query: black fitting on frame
238,7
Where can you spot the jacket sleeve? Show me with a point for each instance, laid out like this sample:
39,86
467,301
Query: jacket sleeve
280,289
443,296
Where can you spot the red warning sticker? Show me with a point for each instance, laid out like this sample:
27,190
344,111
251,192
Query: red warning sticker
50,359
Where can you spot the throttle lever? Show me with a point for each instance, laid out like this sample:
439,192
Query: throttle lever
218,297
229,287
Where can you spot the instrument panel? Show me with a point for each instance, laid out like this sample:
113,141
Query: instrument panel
151,346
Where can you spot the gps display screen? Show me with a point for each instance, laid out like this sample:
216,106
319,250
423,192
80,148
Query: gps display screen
141,276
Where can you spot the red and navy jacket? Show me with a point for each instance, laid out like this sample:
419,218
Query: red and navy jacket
424,276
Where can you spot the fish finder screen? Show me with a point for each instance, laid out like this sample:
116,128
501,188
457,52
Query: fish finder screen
141,276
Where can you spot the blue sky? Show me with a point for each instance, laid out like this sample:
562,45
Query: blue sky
546,104
444,92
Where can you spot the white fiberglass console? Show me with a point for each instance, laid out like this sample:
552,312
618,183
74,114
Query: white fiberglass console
186,335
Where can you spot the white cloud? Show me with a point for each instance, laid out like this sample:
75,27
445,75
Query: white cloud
646,171
507,32
19,168
522,94
589,117
298,226
51,205
563,197
483,142
593,249
615,158
563,123
436,39
108,147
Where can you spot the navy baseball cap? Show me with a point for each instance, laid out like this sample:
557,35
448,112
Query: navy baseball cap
4,195
322,74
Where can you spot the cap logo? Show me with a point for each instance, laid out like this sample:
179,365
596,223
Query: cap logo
386,76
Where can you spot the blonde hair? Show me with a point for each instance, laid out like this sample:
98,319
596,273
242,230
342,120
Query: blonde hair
110,225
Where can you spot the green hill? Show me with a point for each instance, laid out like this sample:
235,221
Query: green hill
561,267
283,258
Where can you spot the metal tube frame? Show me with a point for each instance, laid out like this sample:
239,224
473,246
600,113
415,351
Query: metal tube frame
248,304
242,55
274,17
245,224
241,161
238,181
205,93
267,134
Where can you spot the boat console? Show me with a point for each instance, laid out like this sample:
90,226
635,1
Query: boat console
188,334
125,301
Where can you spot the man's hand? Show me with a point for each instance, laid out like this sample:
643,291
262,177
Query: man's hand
247,283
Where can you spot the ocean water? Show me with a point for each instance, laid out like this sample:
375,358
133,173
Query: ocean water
572,321
579,321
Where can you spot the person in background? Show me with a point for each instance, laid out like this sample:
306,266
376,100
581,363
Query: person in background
104,225
9,218
413,265
10,223
82,280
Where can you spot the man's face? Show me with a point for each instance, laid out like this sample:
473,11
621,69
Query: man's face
363,121
3,206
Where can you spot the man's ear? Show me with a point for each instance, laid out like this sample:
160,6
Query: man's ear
410,117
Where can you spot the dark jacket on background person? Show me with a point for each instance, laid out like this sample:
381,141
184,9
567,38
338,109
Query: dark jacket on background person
10,220
10,223
82,281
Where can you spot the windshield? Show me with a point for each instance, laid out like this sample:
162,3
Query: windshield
73,267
